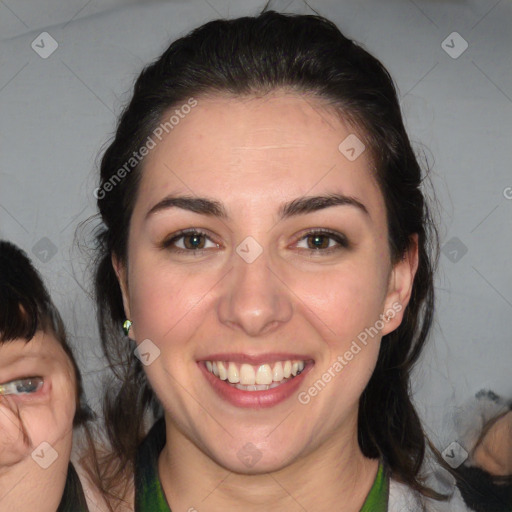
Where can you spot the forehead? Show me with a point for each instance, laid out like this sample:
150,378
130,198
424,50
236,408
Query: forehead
42,346
279,146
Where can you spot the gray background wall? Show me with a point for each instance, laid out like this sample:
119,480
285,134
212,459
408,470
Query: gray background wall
57,112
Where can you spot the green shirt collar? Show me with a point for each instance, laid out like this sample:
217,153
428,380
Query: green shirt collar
377,498
150,497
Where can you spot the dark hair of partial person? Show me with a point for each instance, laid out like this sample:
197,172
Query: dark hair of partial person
252,56
26,308
482,491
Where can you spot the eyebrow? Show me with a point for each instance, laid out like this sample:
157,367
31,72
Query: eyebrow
199,205
299,206
308,204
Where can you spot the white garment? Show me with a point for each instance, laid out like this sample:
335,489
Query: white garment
404,499
469,423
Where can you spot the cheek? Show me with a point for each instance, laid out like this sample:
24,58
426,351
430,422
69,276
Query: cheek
51,420
163,298
346,300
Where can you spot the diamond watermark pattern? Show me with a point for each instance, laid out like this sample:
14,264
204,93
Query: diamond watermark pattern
44,45
351,147
454,45
45,455
249,250
249,455
44,249
147,352
455,455
454,249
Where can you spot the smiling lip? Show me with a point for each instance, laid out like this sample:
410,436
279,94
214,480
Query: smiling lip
255,399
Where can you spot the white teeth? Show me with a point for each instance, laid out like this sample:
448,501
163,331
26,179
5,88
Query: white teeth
247,375
255,378
233,376
260,387
252,387
264,375
223,373
277,374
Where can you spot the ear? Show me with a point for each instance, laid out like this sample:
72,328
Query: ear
400,286
122,278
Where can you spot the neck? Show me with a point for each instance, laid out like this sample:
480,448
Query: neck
193,481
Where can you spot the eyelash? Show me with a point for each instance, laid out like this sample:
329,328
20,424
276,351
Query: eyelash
339,238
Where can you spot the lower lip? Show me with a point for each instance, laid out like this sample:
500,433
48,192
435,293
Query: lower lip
255,399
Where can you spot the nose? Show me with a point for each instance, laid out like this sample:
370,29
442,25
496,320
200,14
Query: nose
254,299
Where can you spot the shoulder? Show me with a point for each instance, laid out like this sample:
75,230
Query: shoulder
93,495
88,462
402,497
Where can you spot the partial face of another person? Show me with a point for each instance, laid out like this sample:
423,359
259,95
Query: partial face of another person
256,242
37,398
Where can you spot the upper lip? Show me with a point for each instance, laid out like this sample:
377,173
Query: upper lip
256,359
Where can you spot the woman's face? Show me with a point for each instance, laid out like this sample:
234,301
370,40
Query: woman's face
43,404
285,258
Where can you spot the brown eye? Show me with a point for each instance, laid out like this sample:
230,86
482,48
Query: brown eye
189,241
318,241
194,241
322,242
